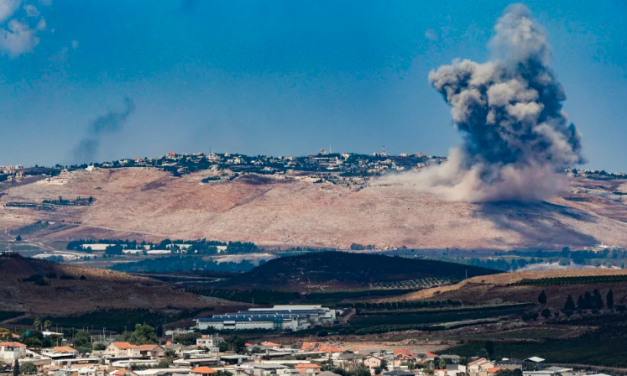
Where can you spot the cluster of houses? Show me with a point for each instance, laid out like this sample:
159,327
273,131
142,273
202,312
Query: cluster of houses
262,359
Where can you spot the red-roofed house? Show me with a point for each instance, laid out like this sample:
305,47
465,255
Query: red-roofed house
479,367
9,351
151,351
308,368
123,350
493,370
202,371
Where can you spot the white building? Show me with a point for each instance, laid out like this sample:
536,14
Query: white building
9,351
280,317
210,342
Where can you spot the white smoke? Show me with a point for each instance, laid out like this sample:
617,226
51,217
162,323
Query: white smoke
509,111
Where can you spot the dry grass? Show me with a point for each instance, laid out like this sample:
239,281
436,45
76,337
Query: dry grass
151,204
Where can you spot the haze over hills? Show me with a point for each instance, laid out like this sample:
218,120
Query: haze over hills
291,209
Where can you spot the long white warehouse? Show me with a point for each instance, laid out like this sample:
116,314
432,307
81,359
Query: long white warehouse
280,317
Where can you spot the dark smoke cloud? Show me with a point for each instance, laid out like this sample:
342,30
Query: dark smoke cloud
112,122
509,111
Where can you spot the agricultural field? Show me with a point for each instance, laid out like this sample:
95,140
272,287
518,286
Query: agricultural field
440,318
557,281
419,283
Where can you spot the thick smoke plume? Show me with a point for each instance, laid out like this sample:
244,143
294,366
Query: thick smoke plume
110,123
509,111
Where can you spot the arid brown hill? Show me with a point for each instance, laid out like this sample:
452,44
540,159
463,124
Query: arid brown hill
41,287
152,204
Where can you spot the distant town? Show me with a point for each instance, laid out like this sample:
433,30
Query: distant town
44,350
337,168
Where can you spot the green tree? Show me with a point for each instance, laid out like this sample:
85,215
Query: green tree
597,300
47,324
609,299
223,347
18,238
143,334
569,306
28,369
170,353
361,370
542,298
237,344
37,323
82,338
99,346
16,368
546,313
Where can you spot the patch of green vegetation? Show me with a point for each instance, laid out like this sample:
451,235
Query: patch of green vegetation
430,317
39,225
524,333
556,281
117,319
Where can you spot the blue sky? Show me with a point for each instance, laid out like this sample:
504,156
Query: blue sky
280,77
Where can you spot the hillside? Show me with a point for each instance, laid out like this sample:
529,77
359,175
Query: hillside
280,210
41,287
526,286
333,270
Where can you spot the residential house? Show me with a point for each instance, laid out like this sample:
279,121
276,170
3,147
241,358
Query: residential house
176,347
9,351
350,360
307,368
202,371
479,367
122,350
373,362
151,351
60,352
492,371
210,342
